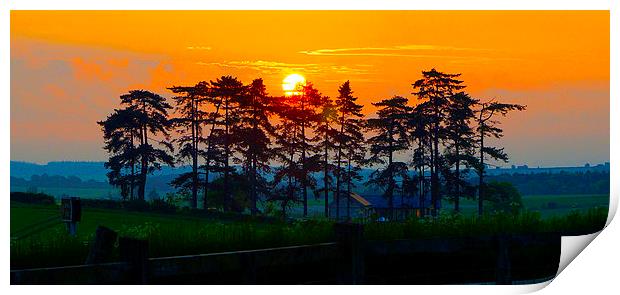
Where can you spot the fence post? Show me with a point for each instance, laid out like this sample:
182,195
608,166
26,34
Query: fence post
248,263
102,247
134,252
503,274
350,239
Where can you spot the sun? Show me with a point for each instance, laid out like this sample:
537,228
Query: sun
292,84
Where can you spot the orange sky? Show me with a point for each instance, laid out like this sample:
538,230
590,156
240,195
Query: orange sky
68,68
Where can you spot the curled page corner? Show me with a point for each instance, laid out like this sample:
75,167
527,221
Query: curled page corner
571,247
526,288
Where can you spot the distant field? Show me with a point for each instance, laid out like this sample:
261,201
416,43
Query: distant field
549,205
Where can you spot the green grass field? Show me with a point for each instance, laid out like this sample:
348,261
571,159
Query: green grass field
25,215
183,234
168,234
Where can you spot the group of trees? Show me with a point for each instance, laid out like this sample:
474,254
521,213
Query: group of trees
564,182
223,124
444,132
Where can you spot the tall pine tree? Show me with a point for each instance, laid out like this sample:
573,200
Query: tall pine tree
390,137
460,144
350,143
120,131
436,88
252,137
325,137
190,108
230,91
147,114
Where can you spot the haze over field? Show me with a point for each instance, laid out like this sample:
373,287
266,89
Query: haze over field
555,62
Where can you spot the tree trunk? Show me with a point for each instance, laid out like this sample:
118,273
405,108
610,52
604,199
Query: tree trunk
435,176
458,180
253,184
338,158
227,201
206,188
143,166
349,189
194,158
253,164
481,175
421,189
390,189
133,166
303,164
432,171
291,193
325,174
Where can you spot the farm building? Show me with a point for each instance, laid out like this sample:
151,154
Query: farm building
376,206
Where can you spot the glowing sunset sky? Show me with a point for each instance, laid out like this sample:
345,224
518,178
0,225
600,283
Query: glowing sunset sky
68,68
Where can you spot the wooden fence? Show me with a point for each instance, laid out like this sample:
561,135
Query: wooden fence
349,260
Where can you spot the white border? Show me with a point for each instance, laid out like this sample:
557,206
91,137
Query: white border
594,270
313,4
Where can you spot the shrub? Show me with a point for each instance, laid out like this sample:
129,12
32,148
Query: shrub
504,197
33,198
162,206
136,205
101,203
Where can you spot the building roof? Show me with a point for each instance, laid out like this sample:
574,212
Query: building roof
379,201
360,199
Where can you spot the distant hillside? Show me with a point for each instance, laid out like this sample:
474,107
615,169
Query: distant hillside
83,170
58,177
95,170
524,169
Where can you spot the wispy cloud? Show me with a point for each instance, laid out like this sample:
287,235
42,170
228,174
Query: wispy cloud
412,50
274,67
198,48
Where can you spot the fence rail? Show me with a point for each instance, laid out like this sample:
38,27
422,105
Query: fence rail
349,260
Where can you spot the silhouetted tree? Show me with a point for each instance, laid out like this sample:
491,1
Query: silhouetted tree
308,118
390,129
239,189
435,88
190,106
252,137
231,92
214,153
350,142
119,131
287,177
460,143
325,138
147,113
487,127
419,125
504,197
